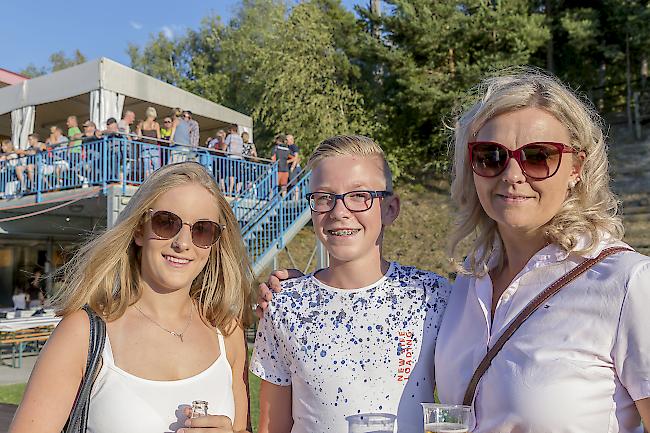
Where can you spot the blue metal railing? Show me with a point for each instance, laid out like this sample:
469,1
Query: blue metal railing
278,217
265,215
256,198
119,160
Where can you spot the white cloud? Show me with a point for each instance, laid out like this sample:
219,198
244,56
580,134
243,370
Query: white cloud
168,32
136,25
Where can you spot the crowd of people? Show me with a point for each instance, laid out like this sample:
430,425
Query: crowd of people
70,154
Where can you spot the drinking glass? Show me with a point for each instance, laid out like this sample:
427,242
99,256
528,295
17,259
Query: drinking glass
371,423
446,418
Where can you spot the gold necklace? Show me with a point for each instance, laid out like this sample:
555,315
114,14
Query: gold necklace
174,333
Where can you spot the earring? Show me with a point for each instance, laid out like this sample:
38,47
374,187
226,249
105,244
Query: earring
573,183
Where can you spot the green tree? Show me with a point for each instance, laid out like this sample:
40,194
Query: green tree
306,92
58,61
589,45
285,66
431,52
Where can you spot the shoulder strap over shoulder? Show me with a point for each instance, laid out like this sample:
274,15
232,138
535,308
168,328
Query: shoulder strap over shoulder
526,313
79,414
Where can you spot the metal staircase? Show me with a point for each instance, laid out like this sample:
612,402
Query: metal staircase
267,229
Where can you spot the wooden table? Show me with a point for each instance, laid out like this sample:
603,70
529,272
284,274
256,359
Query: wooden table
18,333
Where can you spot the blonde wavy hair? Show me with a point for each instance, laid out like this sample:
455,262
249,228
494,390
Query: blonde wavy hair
590,209
351,145
105,272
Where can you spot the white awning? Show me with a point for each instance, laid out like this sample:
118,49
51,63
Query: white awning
106,74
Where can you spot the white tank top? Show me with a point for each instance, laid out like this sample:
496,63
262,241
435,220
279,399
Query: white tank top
122,402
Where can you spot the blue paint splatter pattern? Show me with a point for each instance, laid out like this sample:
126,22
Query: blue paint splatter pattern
345,352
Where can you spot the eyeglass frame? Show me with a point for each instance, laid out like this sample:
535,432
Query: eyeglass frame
516,155
221,226
337,197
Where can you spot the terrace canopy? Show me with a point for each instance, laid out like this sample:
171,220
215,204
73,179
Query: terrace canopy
97,90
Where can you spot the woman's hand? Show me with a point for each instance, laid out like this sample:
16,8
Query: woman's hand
206,424
271,286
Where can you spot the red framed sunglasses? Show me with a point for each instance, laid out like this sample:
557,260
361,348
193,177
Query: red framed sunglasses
537,160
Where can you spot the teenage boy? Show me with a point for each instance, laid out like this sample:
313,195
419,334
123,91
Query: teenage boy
357,337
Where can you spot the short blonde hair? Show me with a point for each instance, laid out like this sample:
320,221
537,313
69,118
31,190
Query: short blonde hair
151,112
105,272
590,210
351,145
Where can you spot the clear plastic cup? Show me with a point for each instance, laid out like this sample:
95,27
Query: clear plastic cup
371,423
446,418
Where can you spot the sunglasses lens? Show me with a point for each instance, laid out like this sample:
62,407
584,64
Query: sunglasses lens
205,233
488,159
165,224
540,160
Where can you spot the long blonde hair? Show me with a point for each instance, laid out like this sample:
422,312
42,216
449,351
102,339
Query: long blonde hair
590,209
105,272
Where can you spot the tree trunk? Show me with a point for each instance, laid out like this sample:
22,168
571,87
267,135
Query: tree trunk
628,79
550,48
375,9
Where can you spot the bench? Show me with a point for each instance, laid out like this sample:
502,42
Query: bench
21,339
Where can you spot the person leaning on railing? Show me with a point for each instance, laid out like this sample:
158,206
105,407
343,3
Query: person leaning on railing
249,147
166,133
8,161
149,131
56,144
26,163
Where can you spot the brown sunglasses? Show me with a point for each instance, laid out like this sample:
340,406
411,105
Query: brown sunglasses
166,225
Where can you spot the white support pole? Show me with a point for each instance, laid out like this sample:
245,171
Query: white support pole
323,258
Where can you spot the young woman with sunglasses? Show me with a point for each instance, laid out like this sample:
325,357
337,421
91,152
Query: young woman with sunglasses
531,187
172,281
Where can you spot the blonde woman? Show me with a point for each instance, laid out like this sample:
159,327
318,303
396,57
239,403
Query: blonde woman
172,281
531,186
149,130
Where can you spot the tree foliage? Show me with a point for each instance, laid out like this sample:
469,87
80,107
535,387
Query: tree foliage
433,51
313,68
58,61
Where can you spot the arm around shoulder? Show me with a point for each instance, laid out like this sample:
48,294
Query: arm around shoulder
53,384
275,408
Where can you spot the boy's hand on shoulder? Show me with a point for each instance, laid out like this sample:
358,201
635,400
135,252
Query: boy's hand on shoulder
271,286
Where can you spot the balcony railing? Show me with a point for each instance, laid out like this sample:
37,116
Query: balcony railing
267,218
127,161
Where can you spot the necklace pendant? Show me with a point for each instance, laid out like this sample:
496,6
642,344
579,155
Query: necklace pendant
181,337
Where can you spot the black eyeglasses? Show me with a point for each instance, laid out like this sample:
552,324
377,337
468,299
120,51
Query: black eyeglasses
166,225
354,201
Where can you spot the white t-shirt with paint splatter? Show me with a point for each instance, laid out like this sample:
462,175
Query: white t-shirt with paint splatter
346,352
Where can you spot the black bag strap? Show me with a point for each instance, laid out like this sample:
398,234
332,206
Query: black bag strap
526,313
79,415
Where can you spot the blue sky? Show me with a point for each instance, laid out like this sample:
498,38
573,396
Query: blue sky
31,30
